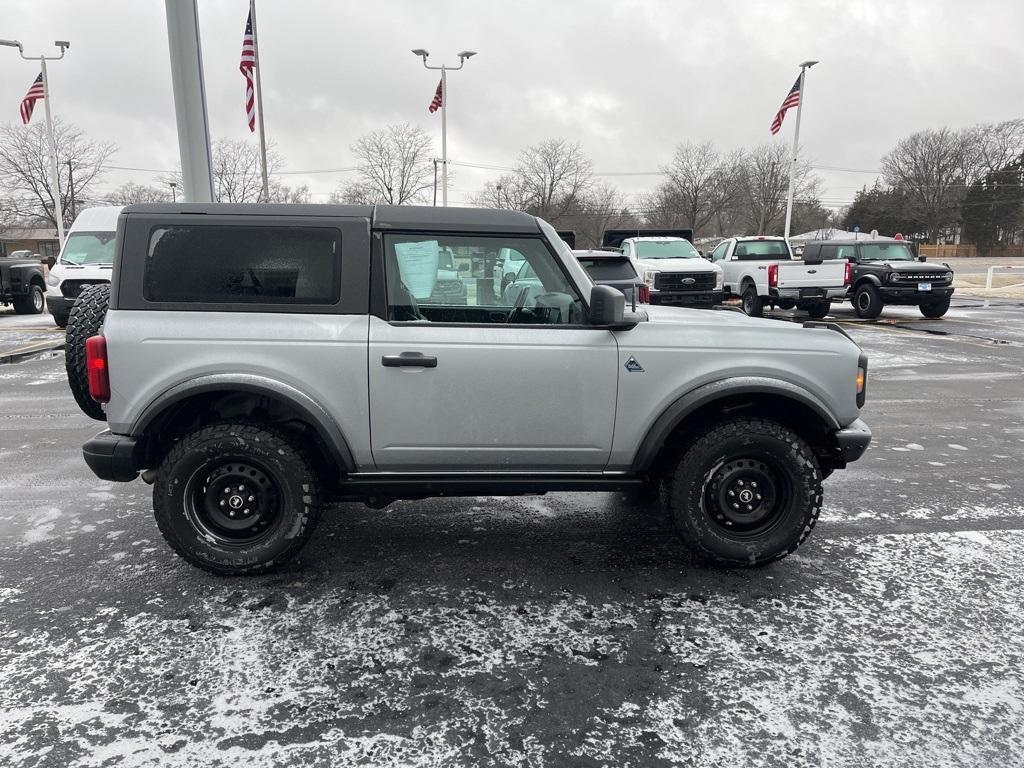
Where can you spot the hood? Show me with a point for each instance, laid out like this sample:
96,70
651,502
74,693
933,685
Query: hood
677,265
916,266
661,313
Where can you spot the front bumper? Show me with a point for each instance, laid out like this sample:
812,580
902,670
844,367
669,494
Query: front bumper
112,457
58,305
903,295
853,440
704,298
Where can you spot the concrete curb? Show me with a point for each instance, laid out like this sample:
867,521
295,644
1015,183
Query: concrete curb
19,353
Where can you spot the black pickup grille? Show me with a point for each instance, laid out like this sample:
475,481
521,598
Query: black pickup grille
921,277
685,281
71,288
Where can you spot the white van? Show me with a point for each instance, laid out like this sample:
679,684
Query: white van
87,258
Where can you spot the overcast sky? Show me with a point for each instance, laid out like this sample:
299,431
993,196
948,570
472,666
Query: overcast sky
628,80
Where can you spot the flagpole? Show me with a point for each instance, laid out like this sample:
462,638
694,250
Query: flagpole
796,144
58,210
259,102
444,136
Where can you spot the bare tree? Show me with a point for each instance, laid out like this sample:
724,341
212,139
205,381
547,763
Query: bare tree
932,167
237,178
764,186
993,146
25,169
700,183
131,193
395,167
601,207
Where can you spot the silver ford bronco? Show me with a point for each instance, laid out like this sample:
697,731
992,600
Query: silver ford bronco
254,362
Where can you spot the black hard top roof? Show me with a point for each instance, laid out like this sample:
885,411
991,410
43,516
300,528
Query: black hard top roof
412,217
861,241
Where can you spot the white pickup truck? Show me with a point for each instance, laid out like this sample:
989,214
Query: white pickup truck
762,270
667,262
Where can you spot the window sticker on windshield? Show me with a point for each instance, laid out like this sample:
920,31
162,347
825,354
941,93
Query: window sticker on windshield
417,263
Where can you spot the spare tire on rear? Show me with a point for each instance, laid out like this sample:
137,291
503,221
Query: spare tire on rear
85,320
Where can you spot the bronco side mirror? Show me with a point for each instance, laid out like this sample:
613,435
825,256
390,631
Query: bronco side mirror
608,308
922,258
50,261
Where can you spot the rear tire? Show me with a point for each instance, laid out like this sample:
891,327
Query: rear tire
753,305
32,303
867,302
236,498
746,493
85,320
935,309
61,321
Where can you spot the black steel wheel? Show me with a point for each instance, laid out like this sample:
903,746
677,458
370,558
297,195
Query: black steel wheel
237,498
867,301
745,493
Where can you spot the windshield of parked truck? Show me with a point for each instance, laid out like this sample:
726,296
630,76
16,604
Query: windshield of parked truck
88,248
886,252
752,250
665,249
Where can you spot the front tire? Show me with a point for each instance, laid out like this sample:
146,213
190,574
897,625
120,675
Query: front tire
867,302
746,493
935,309
236,498
753,305
32,303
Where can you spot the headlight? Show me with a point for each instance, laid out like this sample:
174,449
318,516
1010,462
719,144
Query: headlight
719,280
650,275
52,279
949,275
893,277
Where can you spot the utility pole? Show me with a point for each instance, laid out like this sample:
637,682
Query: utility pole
58,209
71,189
444,112
796,144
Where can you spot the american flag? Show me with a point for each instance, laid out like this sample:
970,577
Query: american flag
246,66
435,104
792,99
35,93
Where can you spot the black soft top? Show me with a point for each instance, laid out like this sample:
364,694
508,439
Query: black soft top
410,217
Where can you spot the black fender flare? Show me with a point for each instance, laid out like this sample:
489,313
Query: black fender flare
873,279
686,404
317,416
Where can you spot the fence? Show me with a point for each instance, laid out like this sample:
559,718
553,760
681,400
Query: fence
971,251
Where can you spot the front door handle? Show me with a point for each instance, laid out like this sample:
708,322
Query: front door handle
409,360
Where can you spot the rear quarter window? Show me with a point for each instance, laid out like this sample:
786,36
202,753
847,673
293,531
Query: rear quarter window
240,265
609,269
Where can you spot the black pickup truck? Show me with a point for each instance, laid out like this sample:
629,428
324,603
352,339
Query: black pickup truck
887,272
22,284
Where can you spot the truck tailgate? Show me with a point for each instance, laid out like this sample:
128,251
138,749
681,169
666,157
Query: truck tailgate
797,274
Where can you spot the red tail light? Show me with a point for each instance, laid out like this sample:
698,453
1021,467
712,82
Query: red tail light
96,369
643,294
848,274
773,275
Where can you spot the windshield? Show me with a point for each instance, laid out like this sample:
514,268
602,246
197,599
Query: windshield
89,248
886,252
665,249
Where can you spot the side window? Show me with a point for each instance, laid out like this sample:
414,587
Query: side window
845,252
829,252
420,290
719,253
243,265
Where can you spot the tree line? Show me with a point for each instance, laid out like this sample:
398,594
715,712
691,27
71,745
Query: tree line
934,185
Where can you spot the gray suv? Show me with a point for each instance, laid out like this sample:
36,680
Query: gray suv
256,361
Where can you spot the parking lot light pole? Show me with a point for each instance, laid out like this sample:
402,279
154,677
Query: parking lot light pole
796,142
58,212
423,53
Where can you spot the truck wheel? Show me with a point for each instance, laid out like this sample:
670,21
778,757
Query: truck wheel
935,308
32,303
867,302
236,498
819,310
752,303
85,320
746,493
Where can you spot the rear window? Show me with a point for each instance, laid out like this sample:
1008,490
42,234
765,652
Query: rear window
761,249
256,265
609,269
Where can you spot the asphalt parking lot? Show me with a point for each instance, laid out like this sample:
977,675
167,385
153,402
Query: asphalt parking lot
542,631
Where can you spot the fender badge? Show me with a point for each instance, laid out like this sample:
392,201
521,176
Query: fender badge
633,366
